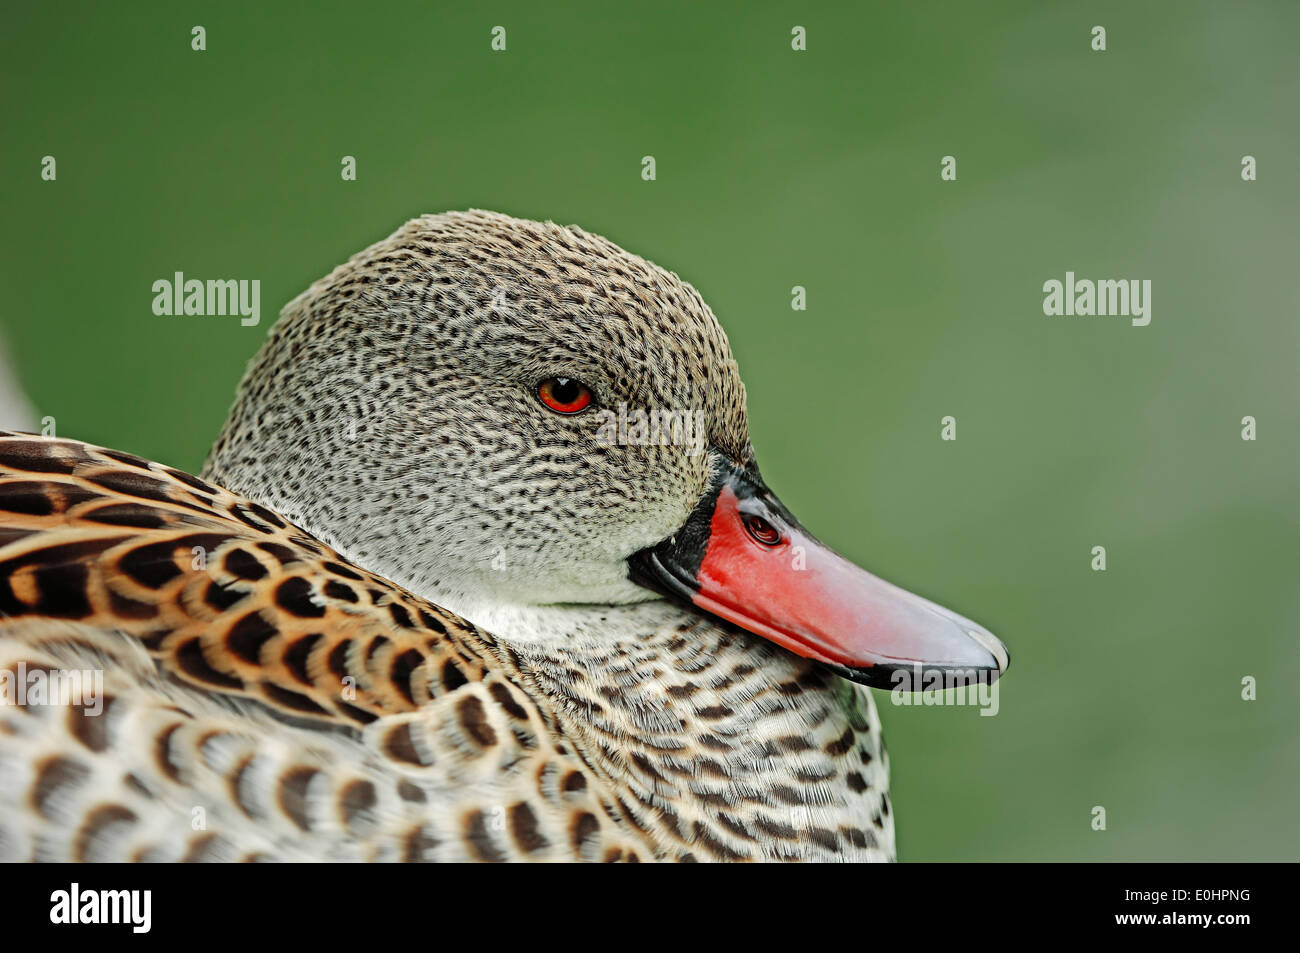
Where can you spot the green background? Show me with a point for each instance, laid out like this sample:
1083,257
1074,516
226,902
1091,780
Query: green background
777,169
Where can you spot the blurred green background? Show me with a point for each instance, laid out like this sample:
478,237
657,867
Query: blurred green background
776,169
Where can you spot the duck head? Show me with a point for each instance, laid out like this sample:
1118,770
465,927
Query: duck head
498,412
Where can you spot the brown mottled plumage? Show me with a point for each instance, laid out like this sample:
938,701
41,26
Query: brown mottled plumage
289,668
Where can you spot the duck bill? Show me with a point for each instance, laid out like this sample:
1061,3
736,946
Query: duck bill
744,558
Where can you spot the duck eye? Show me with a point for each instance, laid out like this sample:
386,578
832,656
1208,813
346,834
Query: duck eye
564,395
761,530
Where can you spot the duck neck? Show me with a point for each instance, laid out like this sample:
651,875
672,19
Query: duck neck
718,744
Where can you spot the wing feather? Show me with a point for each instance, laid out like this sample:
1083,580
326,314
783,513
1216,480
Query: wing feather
305,707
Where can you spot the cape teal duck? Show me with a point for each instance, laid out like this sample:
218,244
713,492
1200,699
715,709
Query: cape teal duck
481,567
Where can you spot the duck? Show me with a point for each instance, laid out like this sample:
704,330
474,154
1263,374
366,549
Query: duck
425,602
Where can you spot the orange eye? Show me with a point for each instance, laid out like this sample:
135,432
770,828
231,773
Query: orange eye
564,395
